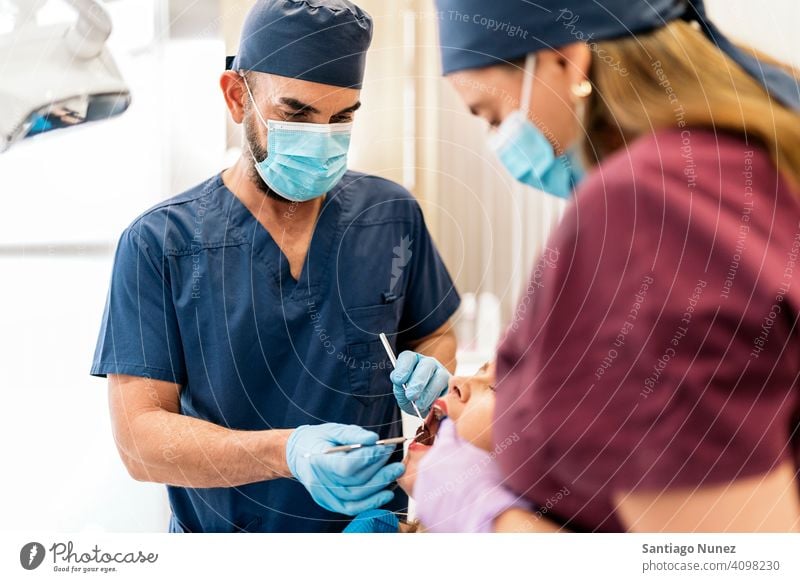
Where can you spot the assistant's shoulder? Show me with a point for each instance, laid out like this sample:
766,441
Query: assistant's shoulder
637,169
676,161
373,199
172,222
671,172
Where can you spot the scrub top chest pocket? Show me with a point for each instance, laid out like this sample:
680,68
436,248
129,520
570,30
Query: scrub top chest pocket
368,366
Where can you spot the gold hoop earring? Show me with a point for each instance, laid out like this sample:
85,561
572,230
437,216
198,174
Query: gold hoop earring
582,90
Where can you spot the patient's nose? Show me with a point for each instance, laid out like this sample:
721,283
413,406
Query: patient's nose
459,388
454,381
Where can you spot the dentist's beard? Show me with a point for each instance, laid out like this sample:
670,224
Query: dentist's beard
258,152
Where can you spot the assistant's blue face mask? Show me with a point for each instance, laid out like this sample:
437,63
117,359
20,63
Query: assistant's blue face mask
304,160
527,154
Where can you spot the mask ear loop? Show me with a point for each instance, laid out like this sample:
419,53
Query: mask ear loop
527,84
519,190
258,113
253,101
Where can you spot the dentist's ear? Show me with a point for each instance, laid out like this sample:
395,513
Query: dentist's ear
235,94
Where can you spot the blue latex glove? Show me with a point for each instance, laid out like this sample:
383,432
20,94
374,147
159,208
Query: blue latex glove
425,379
348,483
375,521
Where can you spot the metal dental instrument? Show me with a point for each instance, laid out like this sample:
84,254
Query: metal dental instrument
393,360
355,446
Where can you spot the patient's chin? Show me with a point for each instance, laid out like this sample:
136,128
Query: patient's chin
415,453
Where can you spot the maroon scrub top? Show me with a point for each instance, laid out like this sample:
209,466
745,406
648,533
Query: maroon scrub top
655,346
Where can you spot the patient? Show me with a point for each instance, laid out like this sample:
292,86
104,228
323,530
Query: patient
469,403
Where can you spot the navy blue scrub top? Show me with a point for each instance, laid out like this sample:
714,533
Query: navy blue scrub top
201,295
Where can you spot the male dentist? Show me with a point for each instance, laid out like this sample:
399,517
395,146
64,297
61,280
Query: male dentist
240,333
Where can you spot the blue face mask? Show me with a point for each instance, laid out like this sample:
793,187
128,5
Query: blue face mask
304,160
527,154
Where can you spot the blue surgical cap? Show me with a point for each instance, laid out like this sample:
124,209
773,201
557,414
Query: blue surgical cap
324,41
476,33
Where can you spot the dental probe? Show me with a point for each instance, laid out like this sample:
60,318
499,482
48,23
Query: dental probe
354,446
393,360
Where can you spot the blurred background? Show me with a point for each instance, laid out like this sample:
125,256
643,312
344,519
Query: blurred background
65,198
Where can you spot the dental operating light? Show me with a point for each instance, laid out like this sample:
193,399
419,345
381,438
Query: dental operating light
57,76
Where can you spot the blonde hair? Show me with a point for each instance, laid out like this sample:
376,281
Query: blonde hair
676,77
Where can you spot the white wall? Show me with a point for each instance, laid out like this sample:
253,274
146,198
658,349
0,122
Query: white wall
64,200
61,470
770,26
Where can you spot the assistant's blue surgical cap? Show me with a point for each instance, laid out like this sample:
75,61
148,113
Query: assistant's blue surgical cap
476,33
324,41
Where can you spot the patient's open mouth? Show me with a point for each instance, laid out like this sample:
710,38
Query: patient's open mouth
426,433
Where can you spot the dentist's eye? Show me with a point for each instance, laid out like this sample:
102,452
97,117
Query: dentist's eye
294,115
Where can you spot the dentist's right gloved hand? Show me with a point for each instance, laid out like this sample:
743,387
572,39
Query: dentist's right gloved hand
347,483
425,379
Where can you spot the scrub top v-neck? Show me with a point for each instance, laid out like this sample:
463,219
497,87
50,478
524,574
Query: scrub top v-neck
268,249
201,295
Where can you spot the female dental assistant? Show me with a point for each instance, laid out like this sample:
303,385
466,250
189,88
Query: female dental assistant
654,376
240,336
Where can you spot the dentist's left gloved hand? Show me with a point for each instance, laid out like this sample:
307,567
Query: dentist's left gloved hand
348,483
425,379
